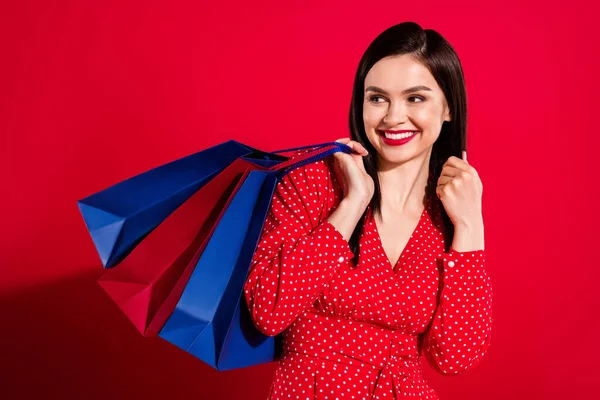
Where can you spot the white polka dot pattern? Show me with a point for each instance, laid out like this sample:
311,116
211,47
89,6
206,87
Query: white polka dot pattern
362,330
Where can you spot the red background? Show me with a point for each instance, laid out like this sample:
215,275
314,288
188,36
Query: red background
94,92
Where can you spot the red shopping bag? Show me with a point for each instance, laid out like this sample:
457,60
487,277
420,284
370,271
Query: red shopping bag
148,282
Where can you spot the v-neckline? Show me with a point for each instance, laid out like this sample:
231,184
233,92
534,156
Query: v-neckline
408,243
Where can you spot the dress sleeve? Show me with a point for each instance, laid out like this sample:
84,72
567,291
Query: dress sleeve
460,333
298,252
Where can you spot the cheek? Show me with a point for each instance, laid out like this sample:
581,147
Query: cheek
427,118
424,115
372,116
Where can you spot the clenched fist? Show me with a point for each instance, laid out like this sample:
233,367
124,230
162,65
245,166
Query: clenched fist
460,190
356,183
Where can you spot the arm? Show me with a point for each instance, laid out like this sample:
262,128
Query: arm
460,333
298,251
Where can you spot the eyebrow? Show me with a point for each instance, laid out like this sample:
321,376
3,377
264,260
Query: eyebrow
405,91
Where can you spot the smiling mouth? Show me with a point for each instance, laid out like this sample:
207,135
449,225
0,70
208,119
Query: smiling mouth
398,136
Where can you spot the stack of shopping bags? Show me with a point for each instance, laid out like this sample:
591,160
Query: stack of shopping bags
177,242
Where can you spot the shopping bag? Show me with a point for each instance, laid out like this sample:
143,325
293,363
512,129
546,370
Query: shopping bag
211,320
119,217
141,284
149,281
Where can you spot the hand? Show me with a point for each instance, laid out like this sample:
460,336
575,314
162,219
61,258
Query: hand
356,183
460,190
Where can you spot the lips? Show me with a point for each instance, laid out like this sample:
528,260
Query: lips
396,132
382,132
396,142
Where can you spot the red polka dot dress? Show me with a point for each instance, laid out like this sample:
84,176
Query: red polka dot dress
362,330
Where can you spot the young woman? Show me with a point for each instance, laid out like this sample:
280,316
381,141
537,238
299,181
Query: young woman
370,262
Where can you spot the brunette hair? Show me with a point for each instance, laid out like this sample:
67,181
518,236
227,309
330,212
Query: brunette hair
433,51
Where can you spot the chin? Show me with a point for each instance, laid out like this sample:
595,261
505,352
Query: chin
400,156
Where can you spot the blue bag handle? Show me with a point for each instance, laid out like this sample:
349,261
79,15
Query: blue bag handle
314,146
337,147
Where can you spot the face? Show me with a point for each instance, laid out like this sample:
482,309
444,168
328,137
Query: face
401,94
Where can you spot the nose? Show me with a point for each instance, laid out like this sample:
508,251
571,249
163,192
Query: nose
396,114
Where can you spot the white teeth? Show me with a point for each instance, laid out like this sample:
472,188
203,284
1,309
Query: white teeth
399,135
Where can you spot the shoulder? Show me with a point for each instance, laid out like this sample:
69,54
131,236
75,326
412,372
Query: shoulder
317,174
314,187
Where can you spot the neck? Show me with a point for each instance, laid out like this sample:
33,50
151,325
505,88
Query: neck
403,185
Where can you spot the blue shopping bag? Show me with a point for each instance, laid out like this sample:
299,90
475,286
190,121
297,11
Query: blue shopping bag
119,217
211,320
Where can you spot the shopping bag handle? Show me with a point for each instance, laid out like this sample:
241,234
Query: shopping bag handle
322,151
314,146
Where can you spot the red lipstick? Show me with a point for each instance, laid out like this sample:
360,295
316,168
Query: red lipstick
391,141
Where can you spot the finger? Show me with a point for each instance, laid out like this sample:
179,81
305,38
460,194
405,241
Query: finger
443,180
457,163
464,156
364,149
443,190
356,147
347,142
439,192
450,171
361,165
359,148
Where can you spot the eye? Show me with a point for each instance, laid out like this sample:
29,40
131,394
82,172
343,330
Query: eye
372,98
421,99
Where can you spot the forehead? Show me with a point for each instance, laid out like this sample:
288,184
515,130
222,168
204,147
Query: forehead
397,73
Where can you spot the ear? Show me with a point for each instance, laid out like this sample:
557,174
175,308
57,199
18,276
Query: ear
447,116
